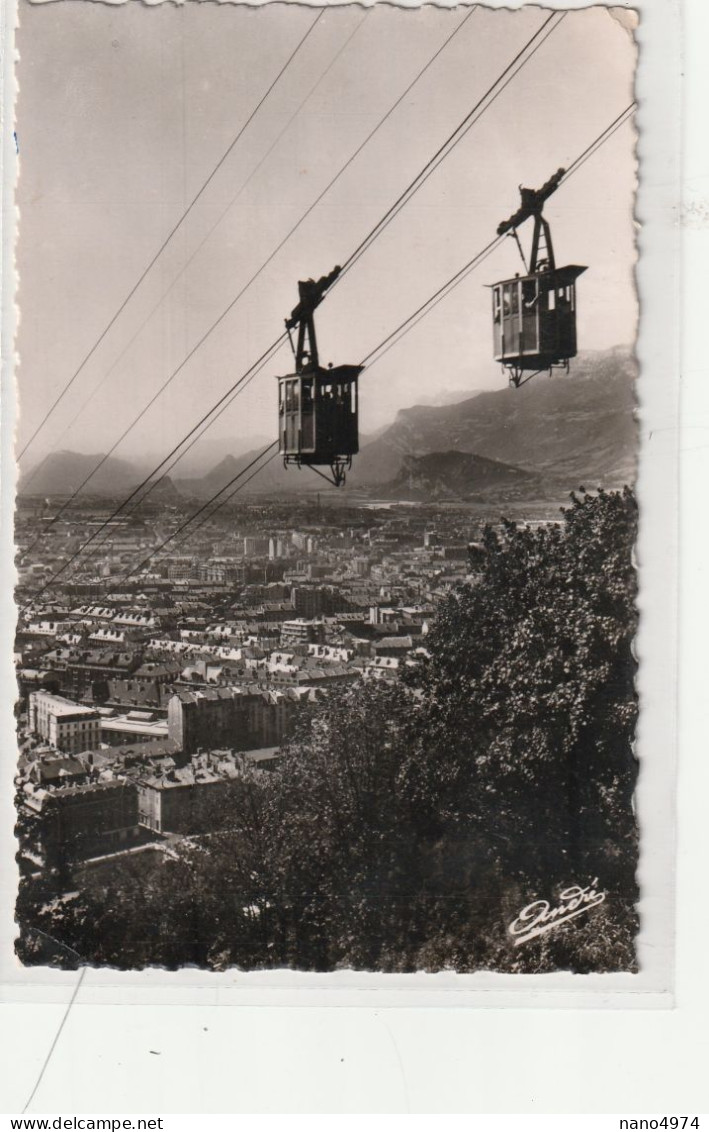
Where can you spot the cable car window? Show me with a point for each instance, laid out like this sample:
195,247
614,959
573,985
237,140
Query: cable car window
496,304
307,387
296,397
551,299
529,293
505,300
514,298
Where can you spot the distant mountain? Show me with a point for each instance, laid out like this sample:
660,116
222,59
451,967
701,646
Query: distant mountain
209,451
272,480
438,397
572,427
61,473
456,475
562,430
164,492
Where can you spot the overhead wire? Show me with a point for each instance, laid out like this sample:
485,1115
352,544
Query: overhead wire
222,503
167,239
204,507
375,355
430,168
103,532
438,158
418,181
97,389
168,381
601,140
252,370
399,204
276,344
519,61
394,337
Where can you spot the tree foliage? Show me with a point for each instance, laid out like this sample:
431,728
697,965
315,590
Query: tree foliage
409,824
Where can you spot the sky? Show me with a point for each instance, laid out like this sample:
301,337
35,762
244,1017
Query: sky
125,110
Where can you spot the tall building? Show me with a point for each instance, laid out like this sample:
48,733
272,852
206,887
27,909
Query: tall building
256,546
65,725
180,569
231,717
315,601
77,820
301,631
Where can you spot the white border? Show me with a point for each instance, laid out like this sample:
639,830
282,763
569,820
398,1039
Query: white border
658,351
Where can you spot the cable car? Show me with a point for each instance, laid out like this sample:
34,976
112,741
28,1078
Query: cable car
534,315
317,406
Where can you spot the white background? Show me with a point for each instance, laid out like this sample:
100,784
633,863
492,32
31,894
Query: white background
211,1057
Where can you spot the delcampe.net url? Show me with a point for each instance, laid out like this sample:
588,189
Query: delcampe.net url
87,1123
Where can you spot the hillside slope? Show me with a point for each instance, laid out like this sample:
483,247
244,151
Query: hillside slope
580,425
456,475
63,472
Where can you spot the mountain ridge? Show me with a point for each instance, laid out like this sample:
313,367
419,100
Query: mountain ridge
561,426
452,475
559,430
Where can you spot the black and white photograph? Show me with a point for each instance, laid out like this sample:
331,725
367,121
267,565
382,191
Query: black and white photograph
326,509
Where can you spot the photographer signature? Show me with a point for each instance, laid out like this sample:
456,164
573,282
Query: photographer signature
540,916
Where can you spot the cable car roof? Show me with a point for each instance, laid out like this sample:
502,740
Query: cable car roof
334,373
562,275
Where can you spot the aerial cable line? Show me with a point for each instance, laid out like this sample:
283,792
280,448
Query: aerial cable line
395,336
443,152
391,339
169,236
492,93
375,355
222,503
171,459
193,350
257,365
202,509
600,140
233,302
423,175
227,498
399,204
97,389
515,66
386,344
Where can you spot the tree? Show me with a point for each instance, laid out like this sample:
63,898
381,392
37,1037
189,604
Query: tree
408,825
531,672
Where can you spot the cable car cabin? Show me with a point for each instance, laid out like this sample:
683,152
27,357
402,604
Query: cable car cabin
317,411
534,315
534,321
317,406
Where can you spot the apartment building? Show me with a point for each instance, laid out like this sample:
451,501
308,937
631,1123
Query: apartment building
65,725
